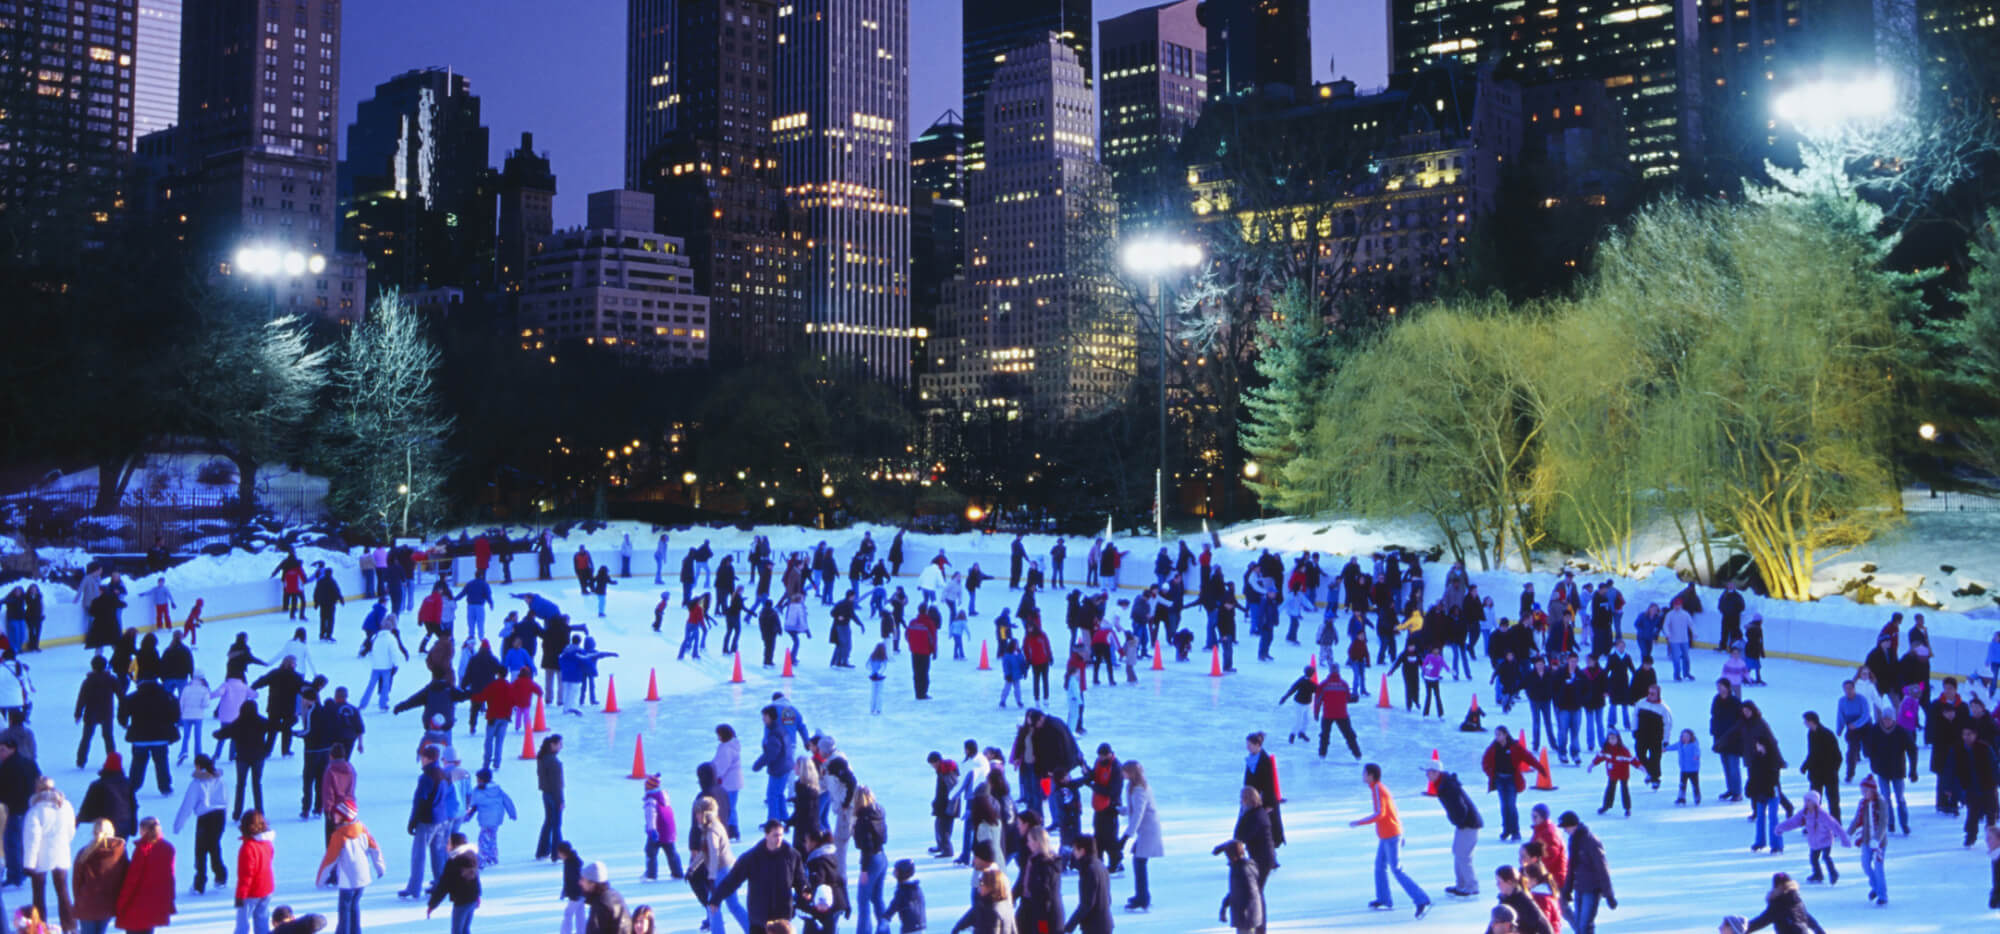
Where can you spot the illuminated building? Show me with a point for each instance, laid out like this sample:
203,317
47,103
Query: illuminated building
1155,80
617,284
993,28
66,115
416,192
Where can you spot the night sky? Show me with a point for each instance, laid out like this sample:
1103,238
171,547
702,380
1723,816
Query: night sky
558,69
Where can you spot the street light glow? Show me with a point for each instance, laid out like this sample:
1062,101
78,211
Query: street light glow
1869,97
689,478
1151,256
268,262
1927,431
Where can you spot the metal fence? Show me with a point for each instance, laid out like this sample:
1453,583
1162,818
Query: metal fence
179,519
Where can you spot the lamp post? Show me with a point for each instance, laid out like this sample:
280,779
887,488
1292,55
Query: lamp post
1155,258
1828,106
270,263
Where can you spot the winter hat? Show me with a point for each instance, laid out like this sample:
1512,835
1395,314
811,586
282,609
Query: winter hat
1735,924
448,754
1540,810
1568,819
905,869
653,782
347,810
1868,781
1504,914
596,872
1812,799
113,762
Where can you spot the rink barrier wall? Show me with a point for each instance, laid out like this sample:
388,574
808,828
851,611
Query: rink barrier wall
1830,632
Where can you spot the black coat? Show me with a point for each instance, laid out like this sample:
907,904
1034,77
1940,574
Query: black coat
281,700
1263,776
459,880
1527,916
1458,806
17,782
823,869
251,735
1886,750
1039,895
97,697
1823,757
1785,913
1588,871
1093,899
775,876
110,798
1245,902
150,715
176,662
1253,830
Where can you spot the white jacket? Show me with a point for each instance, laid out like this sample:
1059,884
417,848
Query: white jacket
353,860
1678,627
728,764
14,685
194,701
48,839
229,700
204,796
297,649
381,653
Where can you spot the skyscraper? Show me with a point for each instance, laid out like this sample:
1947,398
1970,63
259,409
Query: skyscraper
527,188
715,175
937,209
1155,81
1644,53
156,74
260,85
995,27
649,81
1258,47
842,102
414,185
1034,329
616,283
65,107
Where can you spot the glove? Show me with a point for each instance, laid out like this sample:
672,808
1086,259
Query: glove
1611,902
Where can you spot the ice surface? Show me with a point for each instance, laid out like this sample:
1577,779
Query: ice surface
1676,869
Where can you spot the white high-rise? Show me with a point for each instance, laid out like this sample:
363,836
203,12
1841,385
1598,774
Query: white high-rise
156,79
841,126
1035,326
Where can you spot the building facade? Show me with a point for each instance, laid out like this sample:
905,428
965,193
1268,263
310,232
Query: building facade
1035,328
527,195
842,94
260,86
650,70
715,174
156,75
937,214
66,115
1258,47
616,283
1155,81
993,29
1644,52
417,198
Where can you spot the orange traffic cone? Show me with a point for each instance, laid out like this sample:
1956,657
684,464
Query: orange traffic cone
611,694
1382,694
1475,705
541,722
983,666
788,665
528,744
1431,783
1215,661
653,681
736,675
1159,659
1543,782
638,758
1312,668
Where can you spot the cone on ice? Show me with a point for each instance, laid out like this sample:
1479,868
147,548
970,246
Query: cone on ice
1215,661
611,694
1158,659
788,665
528,744
653,682
638,758
983,666
1475,706
736,673
1542,781
541,721
1431,783
1382,694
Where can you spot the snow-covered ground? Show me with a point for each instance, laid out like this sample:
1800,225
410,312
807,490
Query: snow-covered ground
1676,869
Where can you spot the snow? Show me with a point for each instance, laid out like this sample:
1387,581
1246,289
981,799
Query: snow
1185,726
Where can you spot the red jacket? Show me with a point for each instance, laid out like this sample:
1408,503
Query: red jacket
1036,648
1513,764
1555,854
1619,761
431,611
253,867
522,692
146,900
295,580
499,700
1331,701
921,634
482,553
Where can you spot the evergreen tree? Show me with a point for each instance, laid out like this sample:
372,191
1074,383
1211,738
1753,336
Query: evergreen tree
1967,356
249,383
1280,412
384,446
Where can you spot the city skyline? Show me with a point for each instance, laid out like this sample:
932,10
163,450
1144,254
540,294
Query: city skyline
576,111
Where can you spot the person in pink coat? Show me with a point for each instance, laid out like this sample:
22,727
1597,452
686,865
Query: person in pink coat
1821,830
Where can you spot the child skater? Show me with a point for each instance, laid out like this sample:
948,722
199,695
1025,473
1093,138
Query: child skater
193,622
1013,667
1821,830
489,805
1301,695
1618,763
878,663
1432,670
1690,758
1074,676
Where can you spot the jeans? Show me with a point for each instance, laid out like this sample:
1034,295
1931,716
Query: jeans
1141,894
141,753
551,832
253,770
496,741
1010,687
1360,689
653,847
1891,788
429,839
99,927
475,625
1540,712
1593,718
1567,742
348,915
729,814
254,915
315,767
461,918
1677,654
1510,814
1584,919
774,796
1878,875
735,905
104,726
873,868
1764,813
1732,773
1389,860
385,678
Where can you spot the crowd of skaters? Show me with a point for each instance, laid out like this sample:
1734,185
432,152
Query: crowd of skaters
1037,822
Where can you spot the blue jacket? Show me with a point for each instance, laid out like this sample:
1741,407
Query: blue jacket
490,805
1013,666
517,659
793,723
1690,754
373,621
907,906
539,607
776,759
435,799
571,663
1853,713
477,593
1993,652
590,656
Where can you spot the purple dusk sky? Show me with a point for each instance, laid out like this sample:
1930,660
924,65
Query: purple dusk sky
557,70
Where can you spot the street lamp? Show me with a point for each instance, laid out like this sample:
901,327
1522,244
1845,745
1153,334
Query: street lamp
1155,258
1927,431
688,480
270,263
1827,105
